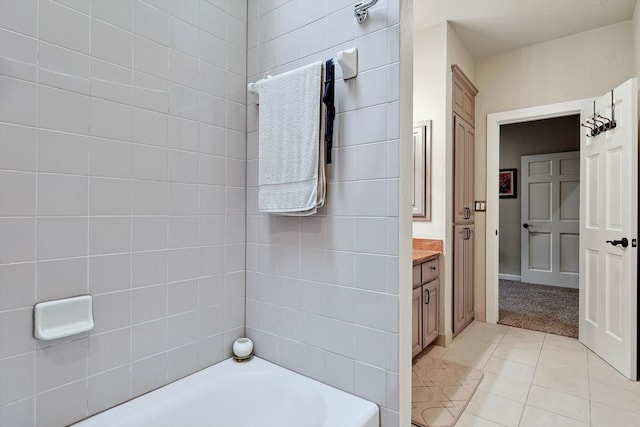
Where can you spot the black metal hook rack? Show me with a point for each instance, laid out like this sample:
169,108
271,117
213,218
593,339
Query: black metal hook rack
598,124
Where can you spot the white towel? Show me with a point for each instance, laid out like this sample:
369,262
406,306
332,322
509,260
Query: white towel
291,178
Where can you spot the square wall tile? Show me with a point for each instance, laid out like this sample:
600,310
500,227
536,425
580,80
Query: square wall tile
21,16
109,350
62,237
61,278
62,195
17,378
109,235
19,55
19,285
63,405
60,364
75,117
16,332
17,147
17,191
108,389
64,27
18,104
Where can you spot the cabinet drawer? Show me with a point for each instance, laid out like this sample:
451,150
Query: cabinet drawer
417,278
430,271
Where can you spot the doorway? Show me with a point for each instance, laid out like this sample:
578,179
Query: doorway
539,221
495,121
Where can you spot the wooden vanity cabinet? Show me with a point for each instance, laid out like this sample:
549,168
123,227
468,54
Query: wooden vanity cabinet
425,304
464,93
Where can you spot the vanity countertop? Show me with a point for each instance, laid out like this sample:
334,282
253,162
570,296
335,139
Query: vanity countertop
425,250
420,256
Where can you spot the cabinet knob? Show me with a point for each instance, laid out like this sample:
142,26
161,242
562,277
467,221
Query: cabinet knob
433,267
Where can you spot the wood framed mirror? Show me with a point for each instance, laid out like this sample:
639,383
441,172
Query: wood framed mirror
422,170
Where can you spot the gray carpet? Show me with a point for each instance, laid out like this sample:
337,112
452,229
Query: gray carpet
538,307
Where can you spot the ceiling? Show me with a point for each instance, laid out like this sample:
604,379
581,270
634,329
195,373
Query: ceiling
487,27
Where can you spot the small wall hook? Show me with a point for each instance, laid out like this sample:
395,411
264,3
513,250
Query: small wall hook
348,61
361,9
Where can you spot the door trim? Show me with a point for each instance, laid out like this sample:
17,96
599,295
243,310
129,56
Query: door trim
494,121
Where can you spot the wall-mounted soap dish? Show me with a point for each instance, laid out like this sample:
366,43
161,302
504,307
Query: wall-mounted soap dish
63,317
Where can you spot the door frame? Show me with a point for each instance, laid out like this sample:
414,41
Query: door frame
494,121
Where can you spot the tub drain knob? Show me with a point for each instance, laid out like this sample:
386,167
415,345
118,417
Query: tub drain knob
242,348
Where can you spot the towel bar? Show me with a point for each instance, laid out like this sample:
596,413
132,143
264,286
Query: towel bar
347,59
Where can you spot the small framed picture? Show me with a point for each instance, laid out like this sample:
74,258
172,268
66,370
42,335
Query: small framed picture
508,183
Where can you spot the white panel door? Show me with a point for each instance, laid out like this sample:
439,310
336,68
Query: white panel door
608,213
550,214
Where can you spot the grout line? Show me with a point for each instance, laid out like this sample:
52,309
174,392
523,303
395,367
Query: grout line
37,167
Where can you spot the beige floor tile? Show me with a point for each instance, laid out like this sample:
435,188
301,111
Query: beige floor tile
603,373
469,420
495,408
559,403
615,396
607,416
518,353
557,342
517,336
509,369
469,352
557,375
505,387
535,417
576,359
435,351
485,332
563,378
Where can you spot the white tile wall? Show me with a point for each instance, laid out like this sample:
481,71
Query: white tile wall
122,151
324,288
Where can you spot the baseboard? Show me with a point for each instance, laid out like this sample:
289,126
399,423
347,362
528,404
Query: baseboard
443,340
512,277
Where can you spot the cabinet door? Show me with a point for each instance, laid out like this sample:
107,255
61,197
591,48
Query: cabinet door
468,270
463,159
464,93
469,160
416,328
430,297
462,276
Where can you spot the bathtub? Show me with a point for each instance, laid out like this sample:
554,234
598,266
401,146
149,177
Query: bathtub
256,393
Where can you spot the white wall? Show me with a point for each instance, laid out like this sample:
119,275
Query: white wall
636,36
559,70
323,291
429,103
122,159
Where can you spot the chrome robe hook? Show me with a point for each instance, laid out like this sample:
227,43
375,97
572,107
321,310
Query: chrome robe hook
361,8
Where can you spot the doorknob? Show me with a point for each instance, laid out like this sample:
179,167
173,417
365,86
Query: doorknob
624,242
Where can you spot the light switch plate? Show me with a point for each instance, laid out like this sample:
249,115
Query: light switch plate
481,206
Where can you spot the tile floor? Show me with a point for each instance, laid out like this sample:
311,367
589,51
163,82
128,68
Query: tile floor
533,379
